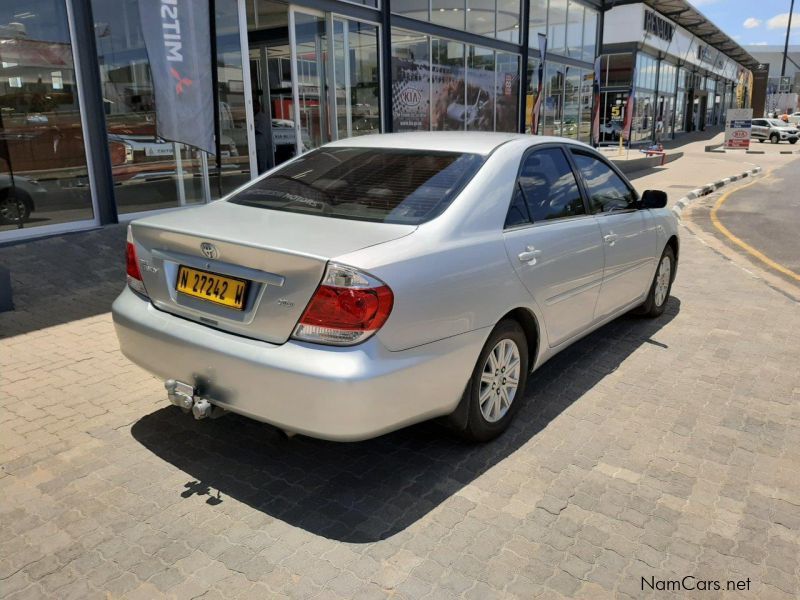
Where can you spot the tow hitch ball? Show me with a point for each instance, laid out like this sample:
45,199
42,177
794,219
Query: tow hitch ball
182,395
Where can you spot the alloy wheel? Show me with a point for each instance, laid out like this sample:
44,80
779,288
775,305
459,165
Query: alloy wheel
499,380
662,280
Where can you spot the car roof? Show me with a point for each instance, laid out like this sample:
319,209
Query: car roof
475,142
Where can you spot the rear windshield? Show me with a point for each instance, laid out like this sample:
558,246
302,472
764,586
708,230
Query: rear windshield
384,185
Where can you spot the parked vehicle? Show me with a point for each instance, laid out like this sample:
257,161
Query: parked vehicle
794,119
383,280
774,130
18,201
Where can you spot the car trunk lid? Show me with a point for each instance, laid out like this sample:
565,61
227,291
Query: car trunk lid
281,255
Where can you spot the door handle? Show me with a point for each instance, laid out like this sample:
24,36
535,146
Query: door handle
610,238
529,256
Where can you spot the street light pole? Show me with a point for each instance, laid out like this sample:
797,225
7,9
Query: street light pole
786,44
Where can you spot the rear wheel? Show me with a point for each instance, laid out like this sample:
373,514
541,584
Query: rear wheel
656,300
497,384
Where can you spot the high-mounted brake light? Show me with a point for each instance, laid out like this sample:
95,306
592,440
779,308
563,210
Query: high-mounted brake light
134,274
347,308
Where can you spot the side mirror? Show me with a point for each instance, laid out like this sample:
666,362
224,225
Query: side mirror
653,199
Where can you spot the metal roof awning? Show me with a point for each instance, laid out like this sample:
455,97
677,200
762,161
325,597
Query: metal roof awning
696,23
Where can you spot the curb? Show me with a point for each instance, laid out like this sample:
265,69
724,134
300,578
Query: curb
709,188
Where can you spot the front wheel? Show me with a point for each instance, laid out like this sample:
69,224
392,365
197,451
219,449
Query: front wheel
792,142
774,138
497,384
656,300
13,209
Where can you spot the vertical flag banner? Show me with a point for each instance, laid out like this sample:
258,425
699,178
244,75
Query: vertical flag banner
178,42
596,111
627,124
538,104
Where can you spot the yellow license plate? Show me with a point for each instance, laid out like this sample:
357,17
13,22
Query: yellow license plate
219,289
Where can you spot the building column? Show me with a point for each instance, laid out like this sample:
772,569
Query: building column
93,111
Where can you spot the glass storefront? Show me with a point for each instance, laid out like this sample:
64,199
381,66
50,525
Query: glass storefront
440,85
301,75
43,172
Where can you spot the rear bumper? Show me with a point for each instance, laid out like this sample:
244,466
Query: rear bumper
343,394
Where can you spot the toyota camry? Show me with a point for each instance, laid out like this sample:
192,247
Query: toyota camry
388,279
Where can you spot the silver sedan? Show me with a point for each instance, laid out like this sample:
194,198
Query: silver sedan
383,280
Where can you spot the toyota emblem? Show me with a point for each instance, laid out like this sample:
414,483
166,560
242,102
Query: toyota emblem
209,250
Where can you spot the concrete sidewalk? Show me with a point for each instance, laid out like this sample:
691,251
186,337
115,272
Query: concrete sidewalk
696,167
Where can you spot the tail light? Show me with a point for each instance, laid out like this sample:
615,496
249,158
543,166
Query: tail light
132,266
347,308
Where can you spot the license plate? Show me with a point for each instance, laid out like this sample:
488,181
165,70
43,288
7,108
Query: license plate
219,289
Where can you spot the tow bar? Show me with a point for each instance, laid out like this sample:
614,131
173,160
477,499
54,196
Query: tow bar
183,396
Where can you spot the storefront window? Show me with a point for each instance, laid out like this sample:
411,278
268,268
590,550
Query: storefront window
507,92
480,93
449,13
508,15
575,13
557,26
413,9
150,172
590,35
617,69
537,22
356,77
571,114
410,72
530,97
586,102
480,17
43,174
554,100
448,86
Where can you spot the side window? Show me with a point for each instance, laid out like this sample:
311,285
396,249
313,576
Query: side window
607,190
517,212
549,187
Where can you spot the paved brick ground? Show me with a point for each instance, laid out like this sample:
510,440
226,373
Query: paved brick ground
652,448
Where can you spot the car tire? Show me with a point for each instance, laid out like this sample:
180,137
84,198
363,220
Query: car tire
661,287
774,138
760,141
487,414
792,142
10,213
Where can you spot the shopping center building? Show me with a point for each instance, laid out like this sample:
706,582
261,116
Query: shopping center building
78,126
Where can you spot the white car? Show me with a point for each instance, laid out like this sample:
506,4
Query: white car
383,280
794,119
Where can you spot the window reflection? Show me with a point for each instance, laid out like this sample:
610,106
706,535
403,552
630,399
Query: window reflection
43,175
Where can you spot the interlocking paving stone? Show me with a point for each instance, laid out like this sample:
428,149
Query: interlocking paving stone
650,448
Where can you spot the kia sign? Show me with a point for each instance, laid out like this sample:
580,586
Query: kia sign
177,37
738,122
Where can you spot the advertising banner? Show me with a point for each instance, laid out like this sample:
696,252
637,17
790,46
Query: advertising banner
738,122
177,37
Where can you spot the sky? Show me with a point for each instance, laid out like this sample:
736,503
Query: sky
749,22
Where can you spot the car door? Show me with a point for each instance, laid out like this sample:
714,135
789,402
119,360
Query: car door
554,243
758,129
629,235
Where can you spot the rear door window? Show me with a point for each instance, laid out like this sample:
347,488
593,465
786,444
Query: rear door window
385,185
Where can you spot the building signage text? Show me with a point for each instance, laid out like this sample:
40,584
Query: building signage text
657,26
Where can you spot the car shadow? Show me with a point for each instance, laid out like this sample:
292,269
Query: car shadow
367,491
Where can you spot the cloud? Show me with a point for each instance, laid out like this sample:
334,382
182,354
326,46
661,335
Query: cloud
781,21
759,44
751,23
